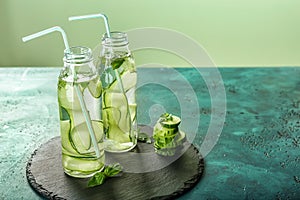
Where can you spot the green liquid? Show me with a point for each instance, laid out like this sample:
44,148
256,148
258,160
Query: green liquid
119,105
78,154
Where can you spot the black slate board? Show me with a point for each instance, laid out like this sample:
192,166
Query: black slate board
45,175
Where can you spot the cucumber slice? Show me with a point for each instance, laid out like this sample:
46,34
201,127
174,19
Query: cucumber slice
167,135
129,80
80,136
117,135
118,110
63,114
169,121
116,117
65,127
130,64
67,96
171,148
98,129
117,126
95,87
111,115
132,109
76,117
81,165
116,100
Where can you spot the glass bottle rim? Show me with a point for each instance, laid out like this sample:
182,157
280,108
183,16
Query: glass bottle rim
78,55
116,39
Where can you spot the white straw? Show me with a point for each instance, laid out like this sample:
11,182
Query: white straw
88,120
47,31
79,94
94,16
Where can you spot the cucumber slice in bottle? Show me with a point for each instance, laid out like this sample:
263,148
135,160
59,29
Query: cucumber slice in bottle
129,80
65,127
68,97
77,117
98,129
80,137
95,87
118,111
115,99
112,115
86,166
132,109
117,129
116,134
63,114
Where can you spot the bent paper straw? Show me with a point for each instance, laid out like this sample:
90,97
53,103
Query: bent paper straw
100,15
47,31
79,94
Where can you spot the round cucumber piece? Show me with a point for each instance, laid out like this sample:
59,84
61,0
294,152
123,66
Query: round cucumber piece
68,98
95,87
65,127
81,139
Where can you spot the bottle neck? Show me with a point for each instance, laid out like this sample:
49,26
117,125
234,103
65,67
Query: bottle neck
78,55
78,64
116,39
117,43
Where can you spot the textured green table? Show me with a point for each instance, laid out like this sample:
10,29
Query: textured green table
256,155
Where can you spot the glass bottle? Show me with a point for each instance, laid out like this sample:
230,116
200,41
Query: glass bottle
79,99
118,77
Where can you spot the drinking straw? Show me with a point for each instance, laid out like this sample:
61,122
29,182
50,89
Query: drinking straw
100,15
79,94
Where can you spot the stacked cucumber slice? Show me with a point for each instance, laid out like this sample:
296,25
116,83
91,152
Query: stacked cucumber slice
167,135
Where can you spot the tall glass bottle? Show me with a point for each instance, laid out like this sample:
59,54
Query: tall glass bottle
79,82
118,77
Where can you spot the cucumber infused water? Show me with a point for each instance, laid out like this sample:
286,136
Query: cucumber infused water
119,103
118,78
79,92
79,156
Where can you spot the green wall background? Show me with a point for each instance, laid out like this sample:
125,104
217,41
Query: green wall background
233,32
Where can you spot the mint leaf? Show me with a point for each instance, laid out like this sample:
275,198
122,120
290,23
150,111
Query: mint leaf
112,170
100,177
144,137
97,179
116,63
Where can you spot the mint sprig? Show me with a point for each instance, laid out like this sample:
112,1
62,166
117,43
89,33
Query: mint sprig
116,63
100,177
97,179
